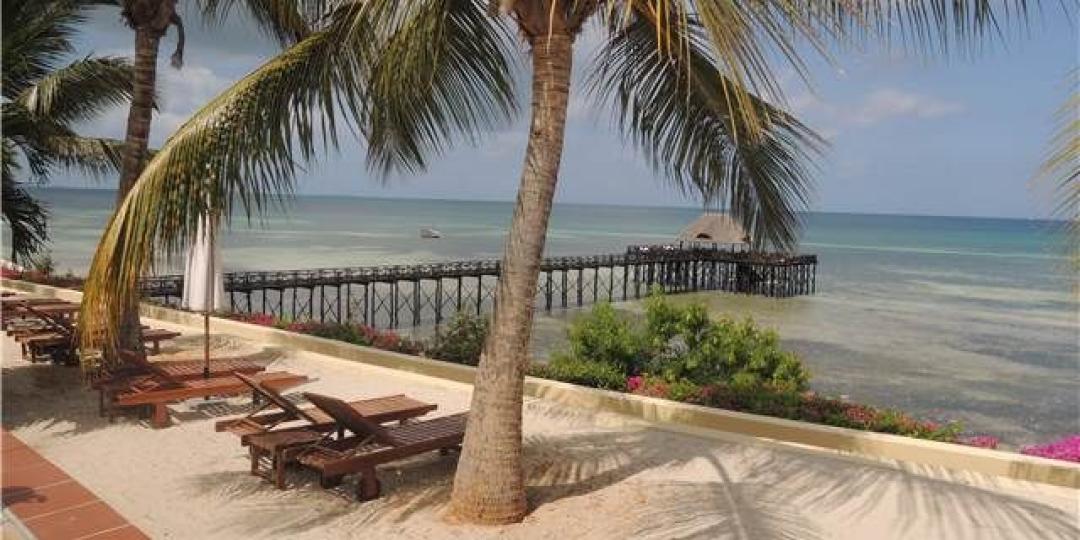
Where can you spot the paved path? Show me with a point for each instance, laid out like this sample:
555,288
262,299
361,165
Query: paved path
51,504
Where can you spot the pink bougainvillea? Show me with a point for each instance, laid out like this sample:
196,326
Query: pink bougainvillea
633,383
261,319
860,415
1067,449
980,441
301,327
653,387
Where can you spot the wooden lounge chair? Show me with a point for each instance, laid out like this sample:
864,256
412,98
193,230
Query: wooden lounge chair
40,344
157,392
373,445
136,364
272,450
138,371
381,410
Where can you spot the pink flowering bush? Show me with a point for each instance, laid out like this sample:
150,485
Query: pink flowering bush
261,319
633,383
980,441
357,334
654,387
1067,449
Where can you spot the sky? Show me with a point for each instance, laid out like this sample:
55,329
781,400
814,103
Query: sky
907,135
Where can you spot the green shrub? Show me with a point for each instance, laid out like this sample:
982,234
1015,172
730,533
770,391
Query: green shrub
341,332
663,320
571,369
688,345
684,344
462,341
605,337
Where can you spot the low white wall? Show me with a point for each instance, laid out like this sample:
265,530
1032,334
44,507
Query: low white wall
663,413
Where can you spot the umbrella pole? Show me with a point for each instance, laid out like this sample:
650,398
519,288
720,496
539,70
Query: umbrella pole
211,285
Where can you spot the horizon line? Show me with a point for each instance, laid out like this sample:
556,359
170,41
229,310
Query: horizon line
1048,219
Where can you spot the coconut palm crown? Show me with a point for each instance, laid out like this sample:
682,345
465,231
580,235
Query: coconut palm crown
43,100
686,81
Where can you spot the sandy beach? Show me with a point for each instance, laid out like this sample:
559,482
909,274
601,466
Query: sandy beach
590,474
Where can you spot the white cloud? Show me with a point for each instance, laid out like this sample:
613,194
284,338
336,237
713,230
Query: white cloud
878,107
888,103
182,92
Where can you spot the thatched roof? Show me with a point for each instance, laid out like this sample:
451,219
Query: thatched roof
714,228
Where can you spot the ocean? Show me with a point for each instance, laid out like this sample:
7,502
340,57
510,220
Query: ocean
969,319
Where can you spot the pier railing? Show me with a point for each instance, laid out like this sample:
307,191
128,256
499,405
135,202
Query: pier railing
426,294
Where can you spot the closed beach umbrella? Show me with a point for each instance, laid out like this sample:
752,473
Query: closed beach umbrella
204,284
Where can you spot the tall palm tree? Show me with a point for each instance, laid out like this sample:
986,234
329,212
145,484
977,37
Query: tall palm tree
43,100
683,77
150,20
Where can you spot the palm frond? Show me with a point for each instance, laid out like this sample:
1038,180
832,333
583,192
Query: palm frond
91,155
239,150
36,35
242,150
674,106
26,216
46,144
288,21
1059,174
747,40
445,70
922,26
1063,162
79,90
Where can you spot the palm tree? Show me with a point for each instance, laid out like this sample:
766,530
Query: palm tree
43,100
151,19
685,79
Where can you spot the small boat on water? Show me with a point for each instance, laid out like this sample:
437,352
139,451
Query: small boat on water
428,232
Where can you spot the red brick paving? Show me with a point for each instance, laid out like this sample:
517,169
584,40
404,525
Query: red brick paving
51,504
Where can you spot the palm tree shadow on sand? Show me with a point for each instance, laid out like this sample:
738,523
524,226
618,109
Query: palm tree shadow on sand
735,491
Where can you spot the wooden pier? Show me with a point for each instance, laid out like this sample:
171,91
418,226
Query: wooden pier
428,294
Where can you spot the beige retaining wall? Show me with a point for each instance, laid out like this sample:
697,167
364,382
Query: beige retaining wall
665,414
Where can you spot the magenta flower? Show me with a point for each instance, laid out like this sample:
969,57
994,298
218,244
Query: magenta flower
1067,449
633,383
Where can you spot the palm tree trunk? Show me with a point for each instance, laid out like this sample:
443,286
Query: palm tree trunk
490,483
135,144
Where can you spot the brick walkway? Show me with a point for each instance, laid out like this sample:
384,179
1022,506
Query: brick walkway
51,504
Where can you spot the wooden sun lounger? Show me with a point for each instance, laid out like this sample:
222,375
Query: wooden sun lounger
382,409
155,392
35,341
21,312
276,449
8,302
49,336
176,370
138,372
373,445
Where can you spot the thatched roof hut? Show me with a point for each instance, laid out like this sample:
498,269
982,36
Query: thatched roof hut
714,228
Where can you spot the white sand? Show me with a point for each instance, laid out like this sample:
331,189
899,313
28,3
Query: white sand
591,475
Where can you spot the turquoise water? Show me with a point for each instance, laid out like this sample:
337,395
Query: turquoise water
954,318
